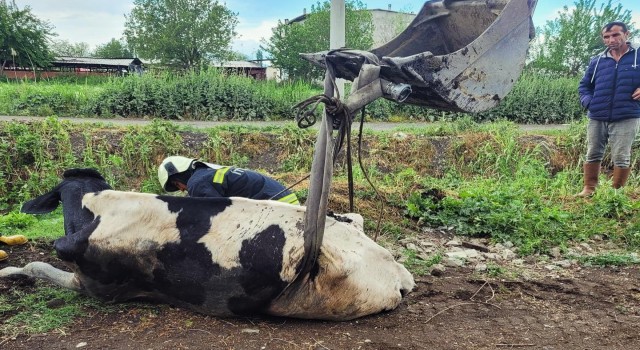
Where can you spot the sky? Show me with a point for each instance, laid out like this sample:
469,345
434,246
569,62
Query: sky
97,22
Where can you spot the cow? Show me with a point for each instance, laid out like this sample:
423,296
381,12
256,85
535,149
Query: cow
218,256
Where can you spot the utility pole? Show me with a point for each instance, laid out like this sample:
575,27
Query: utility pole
337,33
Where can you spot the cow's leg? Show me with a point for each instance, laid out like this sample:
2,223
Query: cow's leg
46,272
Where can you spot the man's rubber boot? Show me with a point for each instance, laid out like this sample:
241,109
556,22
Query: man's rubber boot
13,240
620,176
591,171
3,255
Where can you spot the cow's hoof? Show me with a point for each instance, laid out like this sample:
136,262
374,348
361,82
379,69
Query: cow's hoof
3,255
13,240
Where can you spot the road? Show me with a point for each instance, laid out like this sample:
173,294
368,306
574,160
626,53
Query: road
376,126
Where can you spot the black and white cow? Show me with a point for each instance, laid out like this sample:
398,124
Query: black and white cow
218,256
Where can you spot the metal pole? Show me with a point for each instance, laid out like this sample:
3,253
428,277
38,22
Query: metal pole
337,34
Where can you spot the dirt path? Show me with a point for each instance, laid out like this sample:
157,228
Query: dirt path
578,308
377,126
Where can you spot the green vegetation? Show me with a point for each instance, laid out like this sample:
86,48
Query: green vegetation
509,191
481,180
214,95
47,227
311,35
180,33
33,313
610,259
420,266
23,37
47,309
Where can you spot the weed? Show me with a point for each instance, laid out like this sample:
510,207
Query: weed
609,259
418,265
33,313
494,270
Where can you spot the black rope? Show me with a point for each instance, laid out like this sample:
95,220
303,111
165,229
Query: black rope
290,187
306,117
366,176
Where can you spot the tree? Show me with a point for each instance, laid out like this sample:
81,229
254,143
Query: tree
23,37
69,49
188,33
288,40
260,58
235,56
565,44
113,49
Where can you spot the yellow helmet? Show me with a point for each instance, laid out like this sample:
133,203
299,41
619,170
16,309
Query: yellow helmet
171,166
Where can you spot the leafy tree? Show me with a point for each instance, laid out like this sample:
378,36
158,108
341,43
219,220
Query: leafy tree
113,49
288,40
236,56
23,37
188,33
260,57
67,48
565,44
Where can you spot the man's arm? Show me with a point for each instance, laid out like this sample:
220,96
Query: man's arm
585,89
202,186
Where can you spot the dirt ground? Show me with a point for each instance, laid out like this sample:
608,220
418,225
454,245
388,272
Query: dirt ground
576,308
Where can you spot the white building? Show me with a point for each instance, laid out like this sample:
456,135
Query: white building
387,24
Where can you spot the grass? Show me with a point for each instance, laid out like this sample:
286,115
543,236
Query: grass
609,259
40,227
214,95
419,266
33,312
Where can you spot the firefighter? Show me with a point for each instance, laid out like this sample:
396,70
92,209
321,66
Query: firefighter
200,179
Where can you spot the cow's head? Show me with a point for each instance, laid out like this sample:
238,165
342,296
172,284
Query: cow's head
75,184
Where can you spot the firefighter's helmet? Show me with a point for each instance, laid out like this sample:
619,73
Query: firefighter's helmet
171,166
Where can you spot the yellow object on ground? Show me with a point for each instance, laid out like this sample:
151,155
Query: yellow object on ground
3,255
13,240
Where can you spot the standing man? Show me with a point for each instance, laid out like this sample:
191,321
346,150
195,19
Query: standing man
202,179
610,91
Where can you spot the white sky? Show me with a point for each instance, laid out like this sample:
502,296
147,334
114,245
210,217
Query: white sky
97,22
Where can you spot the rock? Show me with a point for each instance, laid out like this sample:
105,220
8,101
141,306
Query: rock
564,263
423,256
508,255
492,256
586,247
481,267
457,255
555,252
81,345
550,267
452,262
476,246
427,244
453,243
438,270
412,246
518,262
250,330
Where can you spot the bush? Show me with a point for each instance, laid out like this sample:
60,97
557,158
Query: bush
214,95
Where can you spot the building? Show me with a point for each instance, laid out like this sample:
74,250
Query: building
79,66
387,24
245,68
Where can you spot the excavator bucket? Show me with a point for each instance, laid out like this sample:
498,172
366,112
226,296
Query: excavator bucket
456,55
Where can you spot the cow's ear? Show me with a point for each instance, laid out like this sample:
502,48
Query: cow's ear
44,204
